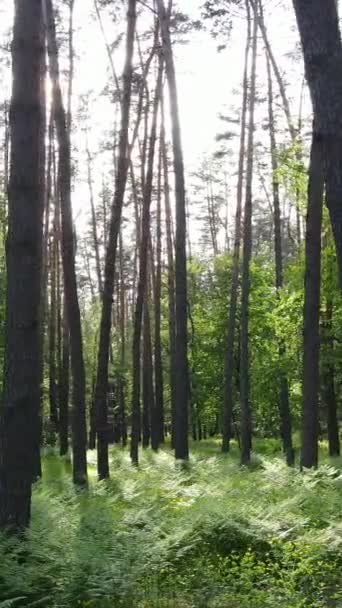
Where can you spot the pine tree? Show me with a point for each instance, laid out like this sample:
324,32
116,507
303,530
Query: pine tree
19,420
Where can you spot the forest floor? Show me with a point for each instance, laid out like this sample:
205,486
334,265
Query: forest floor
214,535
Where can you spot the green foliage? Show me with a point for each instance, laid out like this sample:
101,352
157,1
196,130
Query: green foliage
212,535
273,319
292,172
209,298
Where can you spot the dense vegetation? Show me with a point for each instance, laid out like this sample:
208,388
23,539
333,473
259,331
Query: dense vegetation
214,535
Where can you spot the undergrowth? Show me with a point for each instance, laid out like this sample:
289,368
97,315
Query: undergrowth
212,536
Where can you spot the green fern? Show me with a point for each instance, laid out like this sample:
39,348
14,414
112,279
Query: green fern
11,602
213,535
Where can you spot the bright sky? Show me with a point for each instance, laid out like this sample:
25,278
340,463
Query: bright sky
206,79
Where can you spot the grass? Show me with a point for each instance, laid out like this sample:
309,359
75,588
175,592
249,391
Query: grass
214,535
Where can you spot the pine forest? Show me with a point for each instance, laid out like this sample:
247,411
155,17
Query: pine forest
170,304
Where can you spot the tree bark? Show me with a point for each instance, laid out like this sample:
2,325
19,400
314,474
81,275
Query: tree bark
318,26
246,421
94,222
45,268
64,387
53,390
158,365
19,420
284,403
6,158
181,359
257,6
309,454
71,4
122,383
110,260
170,277
79,432
231,324
328,381
142,280
294,132
149,414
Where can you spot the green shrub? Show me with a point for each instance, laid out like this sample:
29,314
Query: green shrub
213,535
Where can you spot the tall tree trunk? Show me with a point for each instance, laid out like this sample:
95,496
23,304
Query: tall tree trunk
64,387
71,62
148,416
246,421
6,153
53,390
45,268
19,420
226,220
231,324
94,222
158,365
309,455
328,382
92,421
110,260
284,404
257,6
142,281
294,133
137,217
79,432
122,396
170,281
318,26
181,360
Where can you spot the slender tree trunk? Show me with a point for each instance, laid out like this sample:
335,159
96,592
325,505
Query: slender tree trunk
53,390
45,269
5,168
64,387
107,46
122,396
170,281
92,421
284,403
19,419
299,159
181,358
6,154
246,421
149,414
94,222
226,221
104,213
137,217
309,455
193,427
79,432
71,62
294,133
110,260
328,382
158,365
257,6
142,281
199,425
231,325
